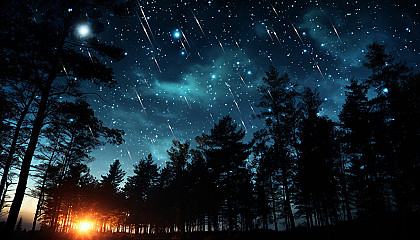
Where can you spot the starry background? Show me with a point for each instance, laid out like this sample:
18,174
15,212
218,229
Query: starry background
189,63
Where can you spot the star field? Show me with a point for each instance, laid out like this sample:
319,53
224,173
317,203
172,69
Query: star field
188,63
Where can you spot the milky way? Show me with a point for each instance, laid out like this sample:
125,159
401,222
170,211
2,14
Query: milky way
189,63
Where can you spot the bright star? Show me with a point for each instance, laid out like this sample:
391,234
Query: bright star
213,76
83,30
385,90
176,34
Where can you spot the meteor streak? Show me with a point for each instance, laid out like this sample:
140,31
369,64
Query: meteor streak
145,19
252,109
296,31
335,30
270,95
319,69
90,129
277,37
189,105
198,22
212,117
220,45
145,31
246,130
275,11
157,64
129,154
90,56
269,34
141,103
234,100
171,129
242,79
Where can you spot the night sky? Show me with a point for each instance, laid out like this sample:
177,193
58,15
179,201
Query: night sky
193,62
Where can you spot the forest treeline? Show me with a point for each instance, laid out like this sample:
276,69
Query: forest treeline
300,168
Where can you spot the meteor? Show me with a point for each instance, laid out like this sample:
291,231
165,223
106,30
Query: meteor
141,103
198,22
335,30
157,64
171,129
189,105
220,45
296,31
145,31
246,130
242,79
145,19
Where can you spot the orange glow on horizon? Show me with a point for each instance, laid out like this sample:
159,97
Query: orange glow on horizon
85,226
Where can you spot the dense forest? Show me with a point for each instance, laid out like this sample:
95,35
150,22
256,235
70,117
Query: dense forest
300,169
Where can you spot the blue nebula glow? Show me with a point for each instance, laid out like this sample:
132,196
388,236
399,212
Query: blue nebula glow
176,34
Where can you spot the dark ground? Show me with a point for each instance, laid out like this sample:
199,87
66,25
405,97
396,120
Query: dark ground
382,229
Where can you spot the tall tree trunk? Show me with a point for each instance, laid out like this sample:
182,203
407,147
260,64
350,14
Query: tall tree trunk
288,205
12,149
273,199
27,159
41,198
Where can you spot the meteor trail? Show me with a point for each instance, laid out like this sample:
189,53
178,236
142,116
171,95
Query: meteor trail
220,45
145,31
246,130
335,30
189,105
129,154
90,129
252,109
198,22
234,100
243,81
157,64
319,69
145,19
296,31
171,129
141,103
212,117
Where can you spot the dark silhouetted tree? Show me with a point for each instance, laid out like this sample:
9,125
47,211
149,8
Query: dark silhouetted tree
42,48
279,109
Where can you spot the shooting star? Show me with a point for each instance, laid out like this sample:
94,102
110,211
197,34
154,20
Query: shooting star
171,129
252,109
145,19
90,129
129,154
198,22
246,130
242,79
157,64
212,117
141,103
189,105
145,31
296,31
335,30
220,45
